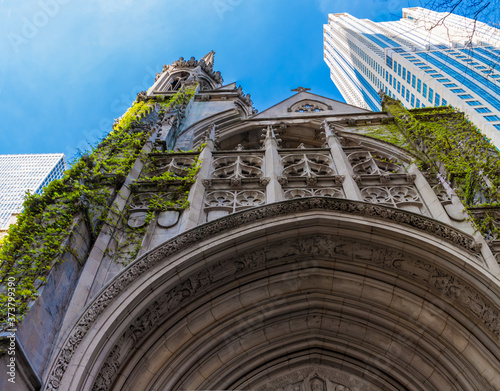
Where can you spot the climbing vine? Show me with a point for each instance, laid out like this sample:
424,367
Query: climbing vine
43,235
171,192
445,142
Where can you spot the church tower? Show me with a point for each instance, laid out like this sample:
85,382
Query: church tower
312,246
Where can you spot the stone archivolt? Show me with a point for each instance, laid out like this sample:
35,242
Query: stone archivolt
287,252
441,281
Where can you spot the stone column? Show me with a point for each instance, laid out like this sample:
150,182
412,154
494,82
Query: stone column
429,198
274,192
342,164
192,216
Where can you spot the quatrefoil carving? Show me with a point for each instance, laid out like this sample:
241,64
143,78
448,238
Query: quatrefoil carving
396,196
325,192
234,200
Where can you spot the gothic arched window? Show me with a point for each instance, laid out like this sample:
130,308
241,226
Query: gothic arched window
174,82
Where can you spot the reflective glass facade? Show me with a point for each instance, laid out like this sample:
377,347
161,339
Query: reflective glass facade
19,173
419,61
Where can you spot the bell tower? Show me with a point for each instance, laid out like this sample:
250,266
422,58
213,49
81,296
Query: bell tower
182,72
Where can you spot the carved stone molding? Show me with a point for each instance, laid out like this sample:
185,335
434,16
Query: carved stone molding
202,232
264,181
468,298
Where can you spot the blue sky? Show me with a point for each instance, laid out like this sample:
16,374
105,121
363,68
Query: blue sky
68,68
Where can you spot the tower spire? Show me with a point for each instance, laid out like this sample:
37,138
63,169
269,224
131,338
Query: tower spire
209,59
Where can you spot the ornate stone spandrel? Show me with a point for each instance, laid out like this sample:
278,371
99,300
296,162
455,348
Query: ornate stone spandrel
402,197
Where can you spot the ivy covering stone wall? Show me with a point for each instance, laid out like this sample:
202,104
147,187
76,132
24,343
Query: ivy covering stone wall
43,233
444,142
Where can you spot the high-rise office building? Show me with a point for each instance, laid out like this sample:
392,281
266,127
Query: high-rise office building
19,173
427,58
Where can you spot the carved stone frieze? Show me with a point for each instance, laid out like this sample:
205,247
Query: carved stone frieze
311,180
202,232
235,182
283,181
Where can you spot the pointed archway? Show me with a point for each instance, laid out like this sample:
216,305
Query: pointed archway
316,292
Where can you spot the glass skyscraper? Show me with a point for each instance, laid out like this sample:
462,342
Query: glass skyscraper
19,173
425,59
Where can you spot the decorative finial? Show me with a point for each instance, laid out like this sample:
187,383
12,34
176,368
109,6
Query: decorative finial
301,89
209,59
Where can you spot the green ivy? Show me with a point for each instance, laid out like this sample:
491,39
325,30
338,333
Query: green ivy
43,232
445,142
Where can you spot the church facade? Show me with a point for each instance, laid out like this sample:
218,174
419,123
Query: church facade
293,249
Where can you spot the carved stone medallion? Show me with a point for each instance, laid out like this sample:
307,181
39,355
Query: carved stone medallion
137,219
168,218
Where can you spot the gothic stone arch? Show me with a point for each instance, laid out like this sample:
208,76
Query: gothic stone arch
310,294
